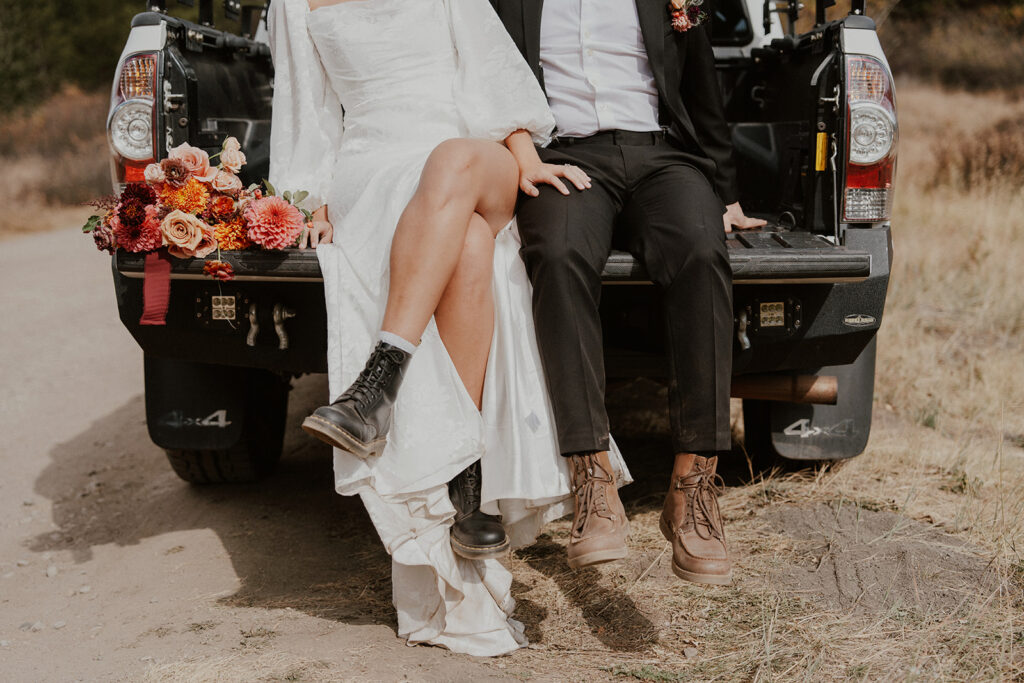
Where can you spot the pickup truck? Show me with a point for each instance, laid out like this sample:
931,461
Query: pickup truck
815,133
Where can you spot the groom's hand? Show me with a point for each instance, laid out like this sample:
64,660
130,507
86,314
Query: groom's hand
735,218
532,176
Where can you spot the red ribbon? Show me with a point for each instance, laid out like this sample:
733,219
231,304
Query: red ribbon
156,288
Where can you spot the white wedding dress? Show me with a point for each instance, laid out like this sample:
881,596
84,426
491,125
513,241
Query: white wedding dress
364,91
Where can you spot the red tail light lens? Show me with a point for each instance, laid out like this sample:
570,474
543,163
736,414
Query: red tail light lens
872,136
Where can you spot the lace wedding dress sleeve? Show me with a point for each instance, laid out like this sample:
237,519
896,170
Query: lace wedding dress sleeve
307,122
495,90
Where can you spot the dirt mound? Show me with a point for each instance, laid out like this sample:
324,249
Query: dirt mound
872,561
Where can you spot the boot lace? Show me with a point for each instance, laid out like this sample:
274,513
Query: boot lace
470,486
588,485
702,488
379,370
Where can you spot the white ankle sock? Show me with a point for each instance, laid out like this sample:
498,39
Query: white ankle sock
397,342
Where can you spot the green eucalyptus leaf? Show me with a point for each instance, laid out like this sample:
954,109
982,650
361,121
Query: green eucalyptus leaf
92,223
270,188
300,196
288,196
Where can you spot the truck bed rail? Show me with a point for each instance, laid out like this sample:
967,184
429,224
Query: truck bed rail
756,258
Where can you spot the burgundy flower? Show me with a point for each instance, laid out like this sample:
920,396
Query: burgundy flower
132,213
139,192
103,235
137,238
176,173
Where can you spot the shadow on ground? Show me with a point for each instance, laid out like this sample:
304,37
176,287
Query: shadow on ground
293,542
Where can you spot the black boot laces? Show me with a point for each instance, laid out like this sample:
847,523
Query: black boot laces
379,370
589,478
471,487
702,488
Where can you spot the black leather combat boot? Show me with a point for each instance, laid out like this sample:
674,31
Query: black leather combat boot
359,421
475,535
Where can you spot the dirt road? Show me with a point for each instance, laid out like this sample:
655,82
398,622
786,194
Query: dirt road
112,569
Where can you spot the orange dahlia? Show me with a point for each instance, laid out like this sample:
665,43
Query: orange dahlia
192,197
232,235
222,206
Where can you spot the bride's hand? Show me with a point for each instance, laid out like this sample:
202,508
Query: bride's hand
551,174
316,233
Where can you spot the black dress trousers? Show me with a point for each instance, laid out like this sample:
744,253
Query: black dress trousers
677,233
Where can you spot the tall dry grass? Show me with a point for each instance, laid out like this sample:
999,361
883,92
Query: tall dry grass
52,159
947,453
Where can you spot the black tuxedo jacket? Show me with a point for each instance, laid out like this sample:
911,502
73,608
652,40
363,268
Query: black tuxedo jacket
684,68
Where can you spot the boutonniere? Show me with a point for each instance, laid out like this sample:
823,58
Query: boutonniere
686,14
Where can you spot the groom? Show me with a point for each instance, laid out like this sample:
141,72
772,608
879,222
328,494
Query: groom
638,108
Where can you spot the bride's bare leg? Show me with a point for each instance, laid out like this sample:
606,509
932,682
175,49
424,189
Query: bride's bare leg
441,260
465,314
461,179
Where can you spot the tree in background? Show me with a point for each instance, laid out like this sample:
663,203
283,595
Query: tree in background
45,44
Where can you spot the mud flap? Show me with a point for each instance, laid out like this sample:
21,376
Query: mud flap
195,406
819,432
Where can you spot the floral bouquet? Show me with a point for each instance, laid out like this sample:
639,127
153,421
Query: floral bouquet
194,209
686,14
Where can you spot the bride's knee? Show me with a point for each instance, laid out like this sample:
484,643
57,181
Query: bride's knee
448,172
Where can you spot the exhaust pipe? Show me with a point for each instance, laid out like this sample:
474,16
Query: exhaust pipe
823,389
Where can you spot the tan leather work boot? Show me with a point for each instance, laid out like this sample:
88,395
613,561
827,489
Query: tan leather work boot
599,525
692,523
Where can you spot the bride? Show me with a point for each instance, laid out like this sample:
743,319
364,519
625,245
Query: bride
412,125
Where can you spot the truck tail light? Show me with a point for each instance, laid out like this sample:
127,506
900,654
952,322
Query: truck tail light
872,136
131,126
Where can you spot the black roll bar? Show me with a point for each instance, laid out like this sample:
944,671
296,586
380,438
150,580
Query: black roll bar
791,8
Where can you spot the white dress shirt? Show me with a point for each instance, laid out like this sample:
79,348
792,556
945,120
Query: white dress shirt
596,70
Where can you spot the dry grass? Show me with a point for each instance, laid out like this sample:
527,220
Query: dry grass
51,160
943,476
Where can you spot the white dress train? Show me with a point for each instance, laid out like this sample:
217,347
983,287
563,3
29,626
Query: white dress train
364,91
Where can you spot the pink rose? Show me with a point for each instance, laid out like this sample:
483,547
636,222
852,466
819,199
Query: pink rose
186,236
232,160
208,244
231,144
196,160
155,174
226,182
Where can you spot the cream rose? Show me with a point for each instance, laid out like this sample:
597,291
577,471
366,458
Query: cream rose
196,160
226,182
155,174
232,160
184,235
231,144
